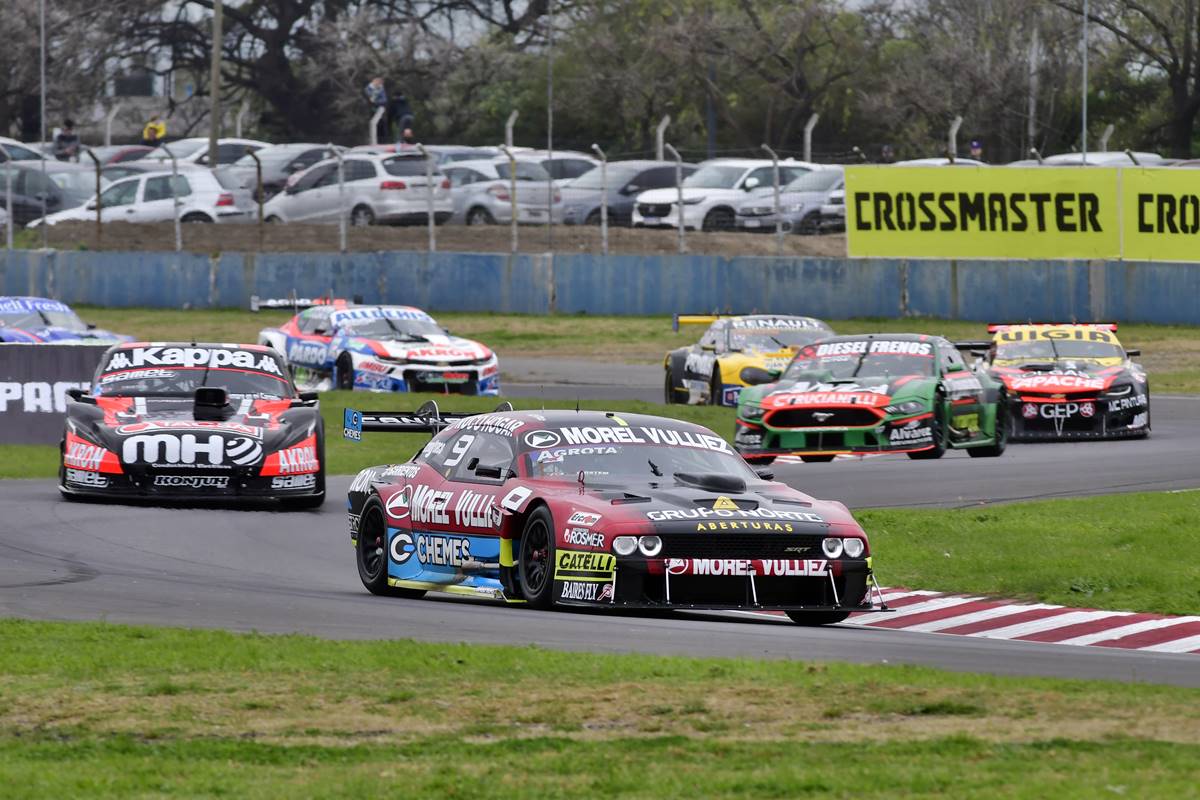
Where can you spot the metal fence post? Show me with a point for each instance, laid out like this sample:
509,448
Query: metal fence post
96,161
778,210
658,137
808,129
373,136
1108,131
603,199
258,188
341,179
9,175
679,188
512,175
508,128
175,199
108,123
429,197
952,140
237,123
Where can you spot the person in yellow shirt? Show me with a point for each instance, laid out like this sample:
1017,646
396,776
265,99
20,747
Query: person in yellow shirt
154,132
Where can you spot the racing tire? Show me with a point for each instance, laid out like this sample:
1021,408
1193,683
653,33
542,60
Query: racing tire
535,569
714,386
1003,430
940,432
480,216
669,388
371,553
758,461
362,216
824,459
345,373
196,218
719,219
811,619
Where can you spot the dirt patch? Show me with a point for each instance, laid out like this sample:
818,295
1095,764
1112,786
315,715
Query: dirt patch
294,238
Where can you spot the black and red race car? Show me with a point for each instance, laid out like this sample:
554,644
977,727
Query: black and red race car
180,420
598,509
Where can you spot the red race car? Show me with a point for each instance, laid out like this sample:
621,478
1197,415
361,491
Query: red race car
598,509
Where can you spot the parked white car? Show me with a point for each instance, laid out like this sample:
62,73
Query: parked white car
564,165
712,193
195,150
147,198
376,189
799,202
482,192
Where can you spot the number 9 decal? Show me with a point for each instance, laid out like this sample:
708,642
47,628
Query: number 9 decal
459,449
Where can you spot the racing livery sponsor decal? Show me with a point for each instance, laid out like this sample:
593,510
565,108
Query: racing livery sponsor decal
38,396
540,440
1058,411
187,448
352,425
738,567
584,518
397,506
624,434
777,323
884,346
489,423
582,537
82,454
560,454
584,565
139,375
192,481
430,506
215,357
743,525
443,551
401,471
401,547
85,478
1126,403
476,510
307,353
1055,381
190,425
748,515
592,591
515,499
294,481
912,432
1034,333
299,458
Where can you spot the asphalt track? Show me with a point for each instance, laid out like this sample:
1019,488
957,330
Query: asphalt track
266,570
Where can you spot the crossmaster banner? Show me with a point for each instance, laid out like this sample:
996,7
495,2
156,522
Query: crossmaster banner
34,381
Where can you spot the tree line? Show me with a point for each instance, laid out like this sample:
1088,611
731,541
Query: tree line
732,74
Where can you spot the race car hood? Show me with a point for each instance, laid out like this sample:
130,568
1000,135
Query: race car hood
672,506
1058,377
436,350
165,431
865,391
64,335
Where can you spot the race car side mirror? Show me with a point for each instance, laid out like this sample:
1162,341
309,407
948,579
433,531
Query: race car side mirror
1132,353
708,348
753,376
309,397
91,326
80,396
765,474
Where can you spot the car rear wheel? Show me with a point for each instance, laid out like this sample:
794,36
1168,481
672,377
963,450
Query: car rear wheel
939,432
1003,427
813,618
196,218
372,554
480,216
345,373
362,216
719,219
536,565
816,459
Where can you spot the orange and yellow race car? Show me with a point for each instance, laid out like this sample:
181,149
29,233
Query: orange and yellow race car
1067,380
710,371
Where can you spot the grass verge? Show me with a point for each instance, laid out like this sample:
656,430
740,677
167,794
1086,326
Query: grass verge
1129,552
343,457
111,711
1172,353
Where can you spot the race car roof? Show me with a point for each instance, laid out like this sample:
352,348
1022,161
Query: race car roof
902,337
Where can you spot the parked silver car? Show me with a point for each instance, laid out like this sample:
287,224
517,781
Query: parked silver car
147,198
582,197
799,202
377,189
482,192
279,162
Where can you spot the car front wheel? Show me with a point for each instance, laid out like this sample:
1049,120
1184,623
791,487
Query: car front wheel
536,567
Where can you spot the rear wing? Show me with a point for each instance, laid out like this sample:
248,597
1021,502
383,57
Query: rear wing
426,419
973,344
295,303
697,319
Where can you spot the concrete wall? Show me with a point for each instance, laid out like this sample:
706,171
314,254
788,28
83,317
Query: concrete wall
537,284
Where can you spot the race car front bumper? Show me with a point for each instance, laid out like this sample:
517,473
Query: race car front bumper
377,375
147,483
1045,420
898,436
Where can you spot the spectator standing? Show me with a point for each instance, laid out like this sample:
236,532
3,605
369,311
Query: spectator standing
66,143
977,150
154,132
408,139
377,99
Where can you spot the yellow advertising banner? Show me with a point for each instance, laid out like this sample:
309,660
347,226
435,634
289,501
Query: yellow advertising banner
1161,214
982,212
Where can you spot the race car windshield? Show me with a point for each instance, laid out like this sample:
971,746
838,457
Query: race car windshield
386,328
1055,350
773,338
41,318
183,381
841,361
625,463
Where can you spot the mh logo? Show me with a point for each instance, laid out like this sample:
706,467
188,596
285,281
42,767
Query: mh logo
166,448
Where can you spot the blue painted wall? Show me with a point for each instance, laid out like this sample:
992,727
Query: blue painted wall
536,284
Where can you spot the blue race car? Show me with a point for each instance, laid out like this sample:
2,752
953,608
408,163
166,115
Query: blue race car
39,319
335,344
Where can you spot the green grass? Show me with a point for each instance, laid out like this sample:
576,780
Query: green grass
344,457
1171,353
1131,552
93,710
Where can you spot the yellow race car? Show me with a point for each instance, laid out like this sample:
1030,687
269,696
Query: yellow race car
710,371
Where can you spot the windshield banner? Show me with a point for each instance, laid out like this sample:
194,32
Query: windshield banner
34,381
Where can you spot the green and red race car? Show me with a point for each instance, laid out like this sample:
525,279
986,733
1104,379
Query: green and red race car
871,393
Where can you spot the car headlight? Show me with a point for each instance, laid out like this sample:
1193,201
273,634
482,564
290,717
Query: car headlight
650,546
907,407
694,201
853,547
625,545
1119,391
796,209
751,411
832,547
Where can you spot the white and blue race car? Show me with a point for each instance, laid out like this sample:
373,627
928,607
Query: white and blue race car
336,344
39,319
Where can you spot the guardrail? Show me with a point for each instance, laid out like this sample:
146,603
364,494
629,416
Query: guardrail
621,284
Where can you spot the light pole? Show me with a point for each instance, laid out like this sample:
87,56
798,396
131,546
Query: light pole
1083,133
214,124
44,193
550,126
